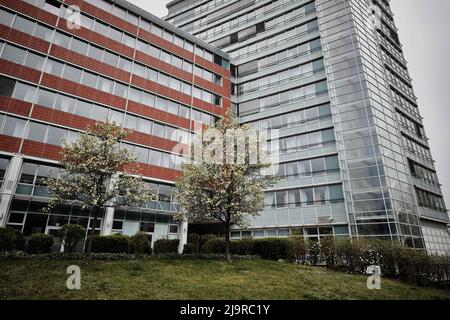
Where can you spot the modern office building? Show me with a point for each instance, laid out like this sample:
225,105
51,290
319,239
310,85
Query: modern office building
62,70
330,75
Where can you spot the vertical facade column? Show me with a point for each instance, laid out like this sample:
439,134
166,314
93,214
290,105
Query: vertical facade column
106,229
182,235
9,186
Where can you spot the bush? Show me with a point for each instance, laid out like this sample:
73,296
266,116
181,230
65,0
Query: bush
243,247
204,238
296,249
40,243
313,255
213,245
328,250
71,234
190,248
11,239
165,246
271,248
413,265
140,244
110,244
193,243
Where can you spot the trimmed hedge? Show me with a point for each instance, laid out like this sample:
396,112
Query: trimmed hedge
344,254
272,248
116,243
11,239
165,246
140,244
39,243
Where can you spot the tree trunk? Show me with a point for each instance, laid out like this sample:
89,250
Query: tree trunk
227,241
87,253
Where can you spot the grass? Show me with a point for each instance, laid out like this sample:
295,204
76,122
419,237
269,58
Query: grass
195,279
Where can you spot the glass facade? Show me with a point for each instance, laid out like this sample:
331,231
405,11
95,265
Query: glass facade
354,157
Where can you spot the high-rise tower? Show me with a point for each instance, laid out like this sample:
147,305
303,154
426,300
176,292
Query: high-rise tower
331,76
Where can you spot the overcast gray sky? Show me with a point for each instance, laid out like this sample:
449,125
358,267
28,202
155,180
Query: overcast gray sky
423,30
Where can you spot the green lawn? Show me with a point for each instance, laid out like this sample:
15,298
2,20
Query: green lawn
199,279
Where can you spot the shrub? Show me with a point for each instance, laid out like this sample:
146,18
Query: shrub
204,238
296,249
245,246
71,234
11,239
271,248
388,254
328,250
140,244
190,248
413,265
193,243
314,252
346,256
110,244
214,245
217,246
165,246
40,243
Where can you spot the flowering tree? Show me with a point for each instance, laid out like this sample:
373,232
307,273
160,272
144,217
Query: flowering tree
222,183
98,172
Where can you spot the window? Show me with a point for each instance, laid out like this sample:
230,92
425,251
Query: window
79,46
83,109
99,113
28,173
332,164
13,54
167,35
46,98
328,135
320,194
14,127
128,41
336,193
155,158
115,116
105,85
110,58
6,18
36,132
281,198
153,51
156,30
72,74
89,79
292,169
307,196
34,61
61,40
318,166
64,103
163,80
158,130
125,64
55,135
6,86
100,28
24,92
24,25
166,57
145,126
294,198
53,67
95,52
